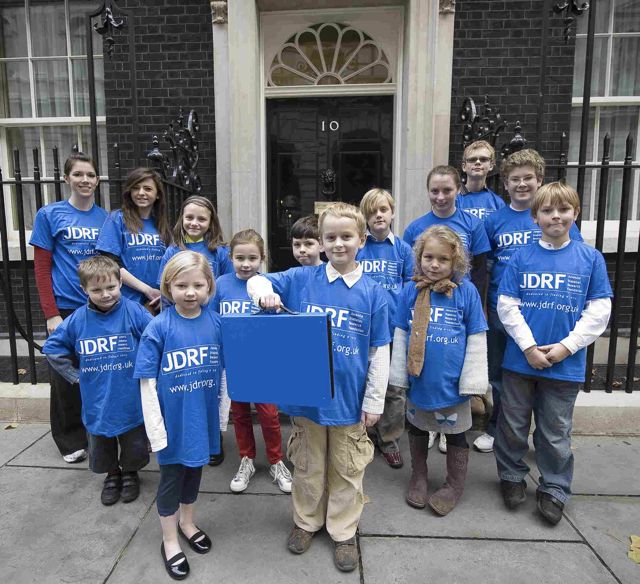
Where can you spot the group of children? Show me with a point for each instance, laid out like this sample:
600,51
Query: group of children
410,347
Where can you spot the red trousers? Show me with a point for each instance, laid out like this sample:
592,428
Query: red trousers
270,424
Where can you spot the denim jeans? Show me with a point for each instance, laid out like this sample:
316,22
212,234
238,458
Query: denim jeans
496,343
551,401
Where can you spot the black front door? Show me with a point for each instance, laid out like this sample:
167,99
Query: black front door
323,149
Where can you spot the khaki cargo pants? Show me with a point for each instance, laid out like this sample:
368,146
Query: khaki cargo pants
329,466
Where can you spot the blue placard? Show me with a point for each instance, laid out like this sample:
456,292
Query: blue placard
283,359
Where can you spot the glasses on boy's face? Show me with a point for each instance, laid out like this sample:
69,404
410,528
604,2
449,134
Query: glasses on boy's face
474,159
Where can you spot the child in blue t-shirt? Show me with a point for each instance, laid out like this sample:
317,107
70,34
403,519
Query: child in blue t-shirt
388,260
198,229
509,229
305,241
64,234
440,314
138,235
329,447
554,300
97,345
443,184
183,387
247,253
475,198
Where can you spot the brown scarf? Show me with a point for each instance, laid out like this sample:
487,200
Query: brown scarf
421,314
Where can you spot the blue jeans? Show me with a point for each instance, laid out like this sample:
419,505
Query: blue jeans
496,343
551,401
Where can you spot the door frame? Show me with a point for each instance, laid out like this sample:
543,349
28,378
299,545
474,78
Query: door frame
269,22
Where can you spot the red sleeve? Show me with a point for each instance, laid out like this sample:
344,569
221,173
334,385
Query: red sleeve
42,268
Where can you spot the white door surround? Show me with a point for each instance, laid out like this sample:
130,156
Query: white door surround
421,52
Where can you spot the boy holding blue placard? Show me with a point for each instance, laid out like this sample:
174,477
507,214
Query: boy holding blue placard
103,337
329,446
554,300
388,260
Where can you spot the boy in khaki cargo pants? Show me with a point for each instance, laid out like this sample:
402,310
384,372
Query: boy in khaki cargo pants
329,447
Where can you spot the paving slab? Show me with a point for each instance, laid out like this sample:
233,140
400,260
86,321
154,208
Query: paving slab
480,514
414,560
54,529
249,535
607,523
597,460
14,440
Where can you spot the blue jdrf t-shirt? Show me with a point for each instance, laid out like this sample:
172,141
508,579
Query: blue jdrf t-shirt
553,287
185,356
469,228
480,204
451,321
70,235
231,296
218,260
140,253
508,231
390,264
106,345
359,320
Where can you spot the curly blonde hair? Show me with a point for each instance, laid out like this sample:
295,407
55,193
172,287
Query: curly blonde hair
526,157
459,257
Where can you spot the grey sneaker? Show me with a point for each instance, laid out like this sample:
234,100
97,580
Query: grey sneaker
513,494
246,470
345,555
74,457
299,540
281,475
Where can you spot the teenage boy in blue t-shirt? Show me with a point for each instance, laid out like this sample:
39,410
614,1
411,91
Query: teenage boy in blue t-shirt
97,345
509,229
329,447
388,260
554,300
475,198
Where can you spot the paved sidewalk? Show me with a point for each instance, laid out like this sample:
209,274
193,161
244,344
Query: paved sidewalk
53,528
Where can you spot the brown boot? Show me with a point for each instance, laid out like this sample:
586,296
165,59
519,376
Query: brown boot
447,496
417,492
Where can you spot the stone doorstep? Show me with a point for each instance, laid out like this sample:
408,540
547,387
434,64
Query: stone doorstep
595,413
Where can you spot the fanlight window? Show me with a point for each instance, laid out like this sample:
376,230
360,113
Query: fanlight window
329,54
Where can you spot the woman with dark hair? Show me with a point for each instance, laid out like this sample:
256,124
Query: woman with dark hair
137,236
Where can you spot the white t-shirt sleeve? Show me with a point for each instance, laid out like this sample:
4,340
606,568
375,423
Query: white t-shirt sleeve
514,323
153,420
593,322
377,380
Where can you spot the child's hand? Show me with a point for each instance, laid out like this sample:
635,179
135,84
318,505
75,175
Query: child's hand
369,419
271,302
555,353
53,323
536,358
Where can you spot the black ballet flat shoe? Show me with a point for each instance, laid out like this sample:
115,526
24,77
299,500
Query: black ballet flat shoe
217,459
179,571
203,546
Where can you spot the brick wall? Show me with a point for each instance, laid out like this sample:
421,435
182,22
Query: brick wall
17,290
497,53
174,61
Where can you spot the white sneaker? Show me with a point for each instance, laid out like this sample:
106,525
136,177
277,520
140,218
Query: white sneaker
246,470
281,475
484,443
442,445
77,456
432,439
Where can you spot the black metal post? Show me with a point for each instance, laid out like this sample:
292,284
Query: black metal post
37,183
586,103
23,265
56,174
622,236
95,153
562,167
542,75
6,285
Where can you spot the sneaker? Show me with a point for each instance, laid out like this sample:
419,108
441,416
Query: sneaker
345,555
484,443
246,470
549,507
432,439
299,540
77,456
442,445
281,475
513,494
391,454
